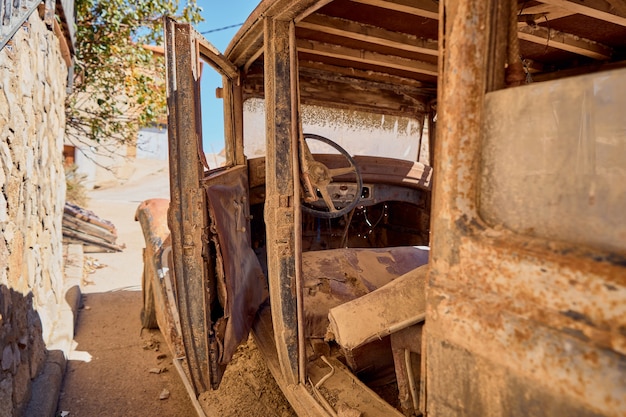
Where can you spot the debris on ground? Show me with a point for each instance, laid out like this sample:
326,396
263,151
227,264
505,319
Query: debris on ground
90,266
84,227
165,394
151,344
247,389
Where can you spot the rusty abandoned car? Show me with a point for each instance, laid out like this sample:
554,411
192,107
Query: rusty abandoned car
421,211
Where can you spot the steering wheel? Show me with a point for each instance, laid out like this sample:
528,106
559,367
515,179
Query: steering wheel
317,179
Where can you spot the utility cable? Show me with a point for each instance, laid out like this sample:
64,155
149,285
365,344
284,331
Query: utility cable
219,29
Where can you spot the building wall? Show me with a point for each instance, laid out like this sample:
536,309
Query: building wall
152,143
32,193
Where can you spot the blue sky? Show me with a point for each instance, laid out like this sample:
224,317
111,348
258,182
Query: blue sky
218,14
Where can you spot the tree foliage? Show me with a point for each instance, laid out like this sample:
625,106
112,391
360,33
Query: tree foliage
119,84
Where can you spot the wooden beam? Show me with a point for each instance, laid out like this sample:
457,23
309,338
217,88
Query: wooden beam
373,76
597,9
63,45
571,72
347,95
565,41
618,6
370,34
551,12
423,8
367,57
280,204
398,85
215,58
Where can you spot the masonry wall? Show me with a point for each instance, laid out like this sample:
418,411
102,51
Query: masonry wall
32,194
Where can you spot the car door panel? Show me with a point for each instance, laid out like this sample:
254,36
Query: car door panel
219,282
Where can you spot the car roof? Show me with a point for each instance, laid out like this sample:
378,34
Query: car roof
383,54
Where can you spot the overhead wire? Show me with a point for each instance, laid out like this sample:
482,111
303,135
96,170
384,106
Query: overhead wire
222,28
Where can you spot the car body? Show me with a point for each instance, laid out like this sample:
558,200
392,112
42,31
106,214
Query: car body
478,268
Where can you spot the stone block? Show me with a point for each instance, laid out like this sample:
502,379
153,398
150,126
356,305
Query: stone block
32,102
4,107
37,346
4,210
5,156
6,395
21,388
7,359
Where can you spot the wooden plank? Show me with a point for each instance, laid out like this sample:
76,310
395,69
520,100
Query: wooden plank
367,57
372,76
280,201
423,8
344,92
618,7
88,228
565,41
215,58
370,34
88,216
549,11
597,9
84,237
345,95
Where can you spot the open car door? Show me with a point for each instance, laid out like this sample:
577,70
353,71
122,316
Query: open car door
219,281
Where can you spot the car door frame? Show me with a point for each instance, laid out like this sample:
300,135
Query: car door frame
188,216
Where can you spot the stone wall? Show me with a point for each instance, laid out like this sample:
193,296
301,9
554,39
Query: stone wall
32,119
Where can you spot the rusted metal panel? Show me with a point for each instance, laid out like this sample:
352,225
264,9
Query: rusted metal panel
158,280
492,389
515,325
497,343
187,217
242,287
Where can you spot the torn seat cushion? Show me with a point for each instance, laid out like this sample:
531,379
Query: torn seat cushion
334,277
393,307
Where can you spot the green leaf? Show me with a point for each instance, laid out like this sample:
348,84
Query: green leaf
119,85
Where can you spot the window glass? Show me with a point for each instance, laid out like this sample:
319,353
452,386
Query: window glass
357,132
554,160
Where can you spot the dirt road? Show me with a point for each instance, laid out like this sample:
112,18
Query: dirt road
116,369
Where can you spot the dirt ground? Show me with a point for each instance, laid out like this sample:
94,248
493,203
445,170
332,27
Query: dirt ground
116,369
247,389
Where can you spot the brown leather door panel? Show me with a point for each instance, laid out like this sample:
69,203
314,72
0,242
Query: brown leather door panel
241,284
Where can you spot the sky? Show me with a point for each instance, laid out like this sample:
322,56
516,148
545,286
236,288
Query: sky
218,14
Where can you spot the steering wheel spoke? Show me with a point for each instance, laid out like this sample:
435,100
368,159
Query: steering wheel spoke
328,199
318,176
335,172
